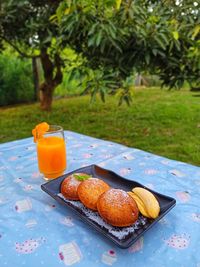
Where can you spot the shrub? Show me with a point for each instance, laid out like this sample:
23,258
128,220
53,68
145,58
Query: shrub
16,84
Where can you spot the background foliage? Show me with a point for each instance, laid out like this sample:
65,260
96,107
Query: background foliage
16,85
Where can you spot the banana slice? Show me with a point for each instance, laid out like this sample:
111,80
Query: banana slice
150,202
140,204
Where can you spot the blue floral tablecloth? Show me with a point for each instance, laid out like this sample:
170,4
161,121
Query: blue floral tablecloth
37,231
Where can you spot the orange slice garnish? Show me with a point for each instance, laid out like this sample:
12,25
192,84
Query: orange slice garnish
39,130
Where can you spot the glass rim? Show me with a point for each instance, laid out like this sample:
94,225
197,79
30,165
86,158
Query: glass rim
54,129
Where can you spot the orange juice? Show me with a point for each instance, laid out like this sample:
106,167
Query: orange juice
51,153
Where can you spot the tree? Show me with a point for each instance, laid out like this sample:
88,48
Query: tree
25,26
113,38
159,36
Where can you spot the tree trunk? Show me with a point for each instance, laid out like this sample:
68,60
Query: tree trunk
35,78
46,95
51,80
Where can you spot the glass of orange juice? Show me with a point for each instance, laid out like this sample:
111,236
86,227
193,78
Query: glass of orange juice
51,152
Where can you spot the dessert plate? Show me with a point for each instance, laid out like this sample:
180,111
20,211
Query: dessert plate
125,236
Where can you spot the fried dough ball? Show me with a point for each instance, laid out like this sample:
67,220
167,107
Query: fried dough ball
70,185
117,208
90,190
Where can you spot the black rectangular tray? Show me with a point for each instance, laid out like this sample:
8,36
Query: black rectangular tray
123,237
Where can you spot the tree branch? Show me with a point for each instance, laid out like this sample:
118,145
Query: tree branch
17,49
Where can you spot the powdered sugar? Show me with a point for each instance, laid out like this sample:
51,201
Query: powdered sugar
73,182
116,197
119,233
94,181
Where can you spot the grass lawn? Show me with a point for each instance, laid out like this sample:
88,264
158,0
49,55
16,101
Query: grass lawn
159,121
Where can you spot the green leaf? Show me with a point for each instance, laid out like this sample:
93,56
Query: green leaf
91,41
61,8
160,42
177,44
164,38
154,51
196,31
53,18
115,44
93,28
112,32
147,58
175,35
81,177
47,40
98,39
118,4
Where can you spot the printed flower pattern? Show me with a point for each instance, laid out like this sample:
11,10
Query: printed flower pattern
28,246
179,241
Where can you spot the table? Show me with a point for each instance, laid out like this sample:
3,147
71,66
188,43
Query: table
37,231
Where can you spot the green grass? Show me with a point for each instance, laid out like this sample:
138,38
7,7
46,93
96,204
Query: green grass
163,122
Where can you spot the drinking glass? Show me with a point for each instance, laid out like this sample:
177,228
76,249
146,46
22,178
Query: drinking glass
51,152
